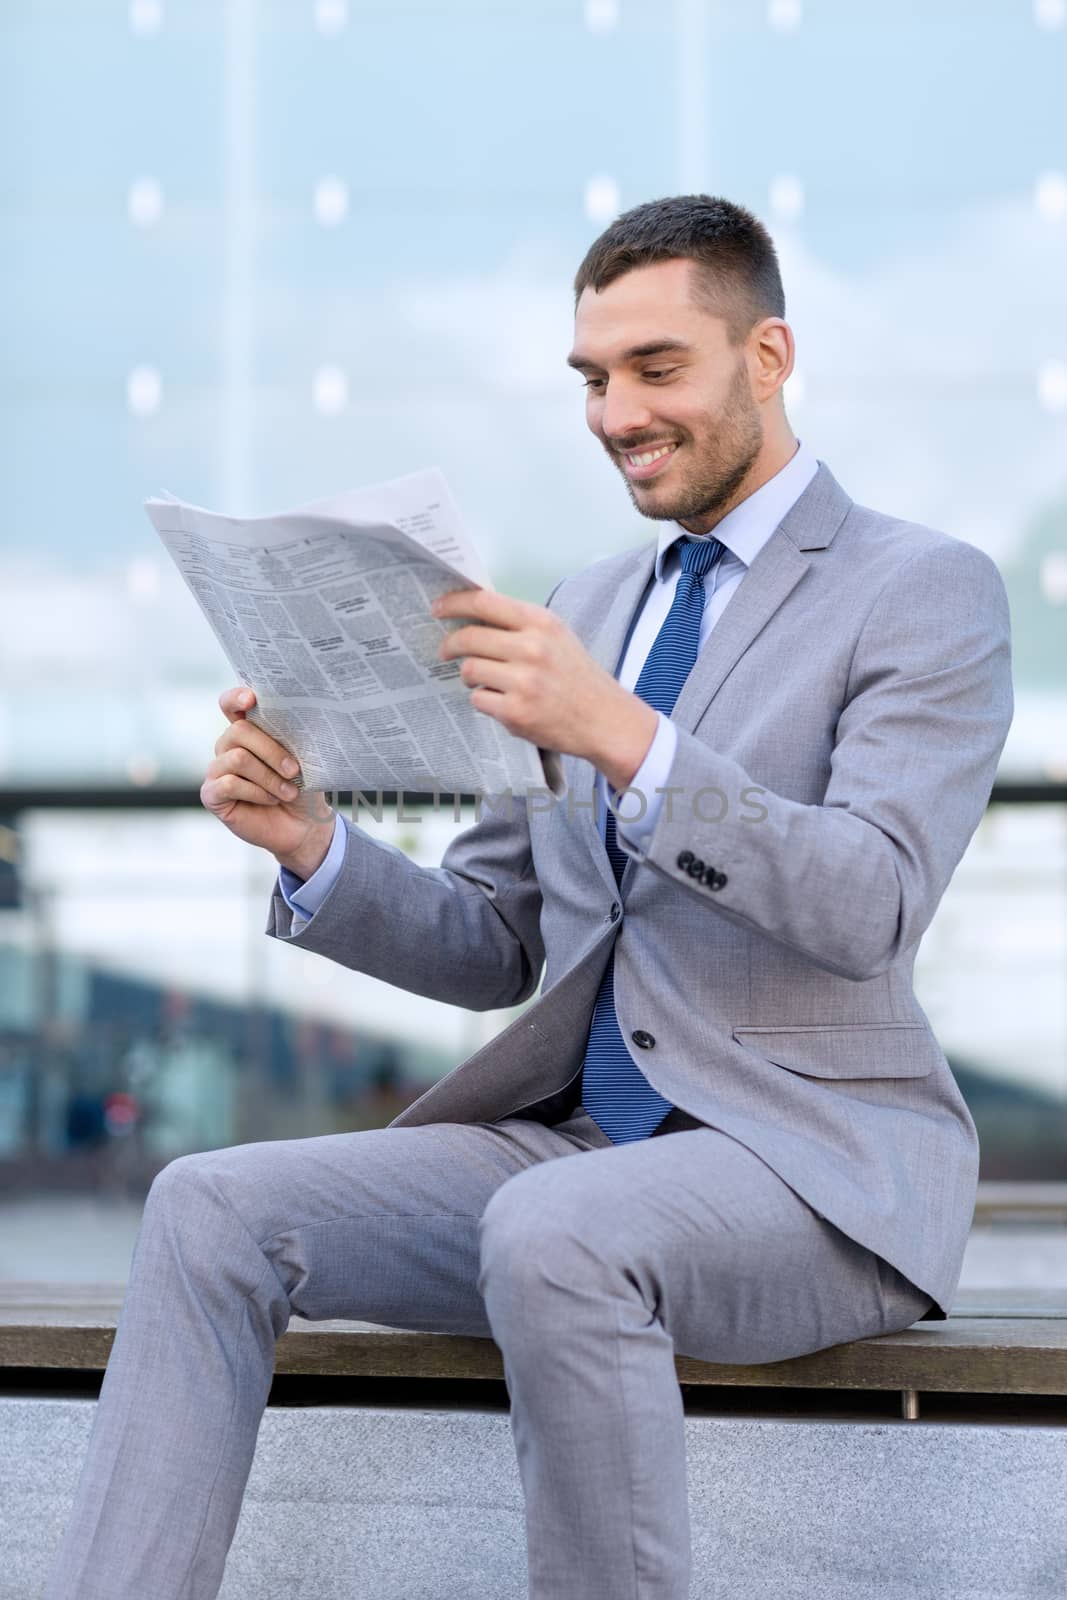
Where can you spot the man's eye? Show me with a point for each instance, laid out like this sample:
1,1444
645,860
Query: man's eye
664,372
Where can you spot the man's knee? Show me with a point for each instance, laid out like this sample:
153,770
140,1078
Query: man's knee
195,1191
195,1170
507,1235
534,1233
190,1221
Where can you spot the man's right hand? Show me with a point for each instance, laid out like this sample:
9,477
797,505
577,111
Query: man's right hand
249,787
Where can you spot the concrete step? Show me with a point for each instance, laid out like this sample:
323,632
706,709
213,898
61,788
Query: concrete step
425,1503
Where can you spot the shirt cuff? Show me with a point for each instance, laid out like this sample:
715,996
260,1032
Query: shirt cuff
305,896
633,832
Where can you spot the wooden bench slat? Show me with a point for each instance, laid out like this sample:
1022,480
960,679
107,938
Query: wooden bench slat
99,1304
1010,1342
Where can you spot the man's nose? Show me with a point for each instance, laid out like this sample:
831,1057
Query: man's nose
624,414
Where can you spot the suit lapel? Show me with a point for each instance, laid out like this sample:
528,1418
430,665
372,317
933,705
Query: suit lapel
810,524
769,581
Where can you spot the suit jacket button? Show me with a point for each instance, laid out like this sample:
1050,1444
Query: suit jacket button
695,868
684,859
720,881
643,1040
713,878
615,912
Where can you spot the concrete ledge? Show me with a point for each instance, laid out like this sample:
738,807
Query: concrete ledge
426,1504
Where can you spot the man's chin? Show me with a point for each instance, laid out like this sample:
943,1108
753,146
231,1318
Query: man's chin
653,502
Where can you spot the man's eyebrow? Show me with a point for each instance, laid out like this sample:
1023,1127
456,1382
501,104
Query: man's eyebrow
656,347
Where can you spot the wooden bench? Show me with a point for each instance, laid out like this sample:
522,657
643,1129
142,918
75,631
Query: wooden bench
385,1463
1003,1342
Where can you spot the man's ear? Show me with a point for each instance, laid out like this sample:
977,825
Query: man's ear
773,356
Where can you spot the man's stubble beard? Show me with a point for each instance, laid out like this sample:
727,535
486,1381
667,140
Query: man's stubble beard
710,486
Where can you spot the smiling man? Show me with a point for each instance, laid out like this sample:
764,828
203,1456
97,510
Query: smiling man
695,420
724,1128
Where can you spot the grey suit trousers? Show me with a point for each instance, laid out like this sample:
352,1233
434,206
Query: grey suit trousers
589,1274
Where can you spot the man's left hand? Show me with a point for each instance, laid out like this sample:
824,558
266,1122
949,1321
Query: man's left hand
526,668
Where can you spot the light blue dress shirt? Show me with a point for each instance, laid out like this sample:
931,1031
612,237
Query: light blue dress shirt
744,531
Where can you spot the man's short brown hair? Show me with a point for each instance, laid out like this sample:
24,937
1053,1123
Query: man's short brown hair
737,268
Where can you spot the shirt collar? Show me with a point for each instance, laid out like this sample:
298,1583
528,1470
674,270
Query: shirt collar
745,530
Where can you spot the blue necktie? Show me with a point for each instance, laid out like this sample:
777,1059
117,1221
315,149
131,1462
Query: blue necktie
615,1092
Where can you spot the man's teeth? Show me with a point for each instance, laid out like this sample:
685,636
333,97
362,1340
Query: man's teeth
650,455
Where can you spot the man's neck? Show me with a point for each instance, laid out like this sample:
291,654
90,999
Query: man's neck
770,461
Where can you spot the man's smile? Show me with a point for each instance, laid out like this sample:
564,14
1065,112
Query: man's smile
646,463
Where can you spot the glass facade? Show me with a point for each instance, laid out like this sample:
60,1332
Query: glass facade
260,251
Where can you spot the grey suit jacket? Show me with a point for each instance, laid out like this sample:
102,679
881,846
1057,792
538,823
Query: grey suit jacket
838,738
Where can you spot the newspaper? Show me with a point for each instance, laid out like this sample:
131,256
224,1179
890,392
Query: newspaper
325,613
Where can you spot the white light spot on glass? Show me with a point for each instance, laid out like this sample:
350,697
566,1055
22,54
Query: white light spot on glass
331,201
601,15
330,391
1052,385
1050,14
142,579
144,202
787,197
144,391
784,15
146,17
601,199
331,16
793,389
1054,577
1050,196
142,770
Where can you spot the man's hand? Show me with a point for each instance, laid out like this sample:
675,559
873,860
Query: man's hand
249,787
526,668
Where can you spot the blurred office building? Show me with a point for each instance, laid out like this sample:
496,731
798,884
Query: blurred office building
256,252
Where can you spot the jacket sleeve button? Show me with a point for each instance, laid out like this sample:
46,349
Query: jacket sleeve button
695,868
684,859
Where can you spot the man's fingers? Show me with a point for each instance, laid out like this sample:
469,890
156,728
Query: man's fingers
486,605
498,644
246,765
216,793
246,735
504,676
236,702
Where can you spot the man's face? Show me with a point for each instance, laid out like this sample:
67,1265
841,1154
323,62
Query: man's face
694,397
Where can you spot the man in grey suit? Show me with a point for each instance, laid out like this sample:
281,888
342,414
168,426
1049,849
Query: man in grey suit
777,740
